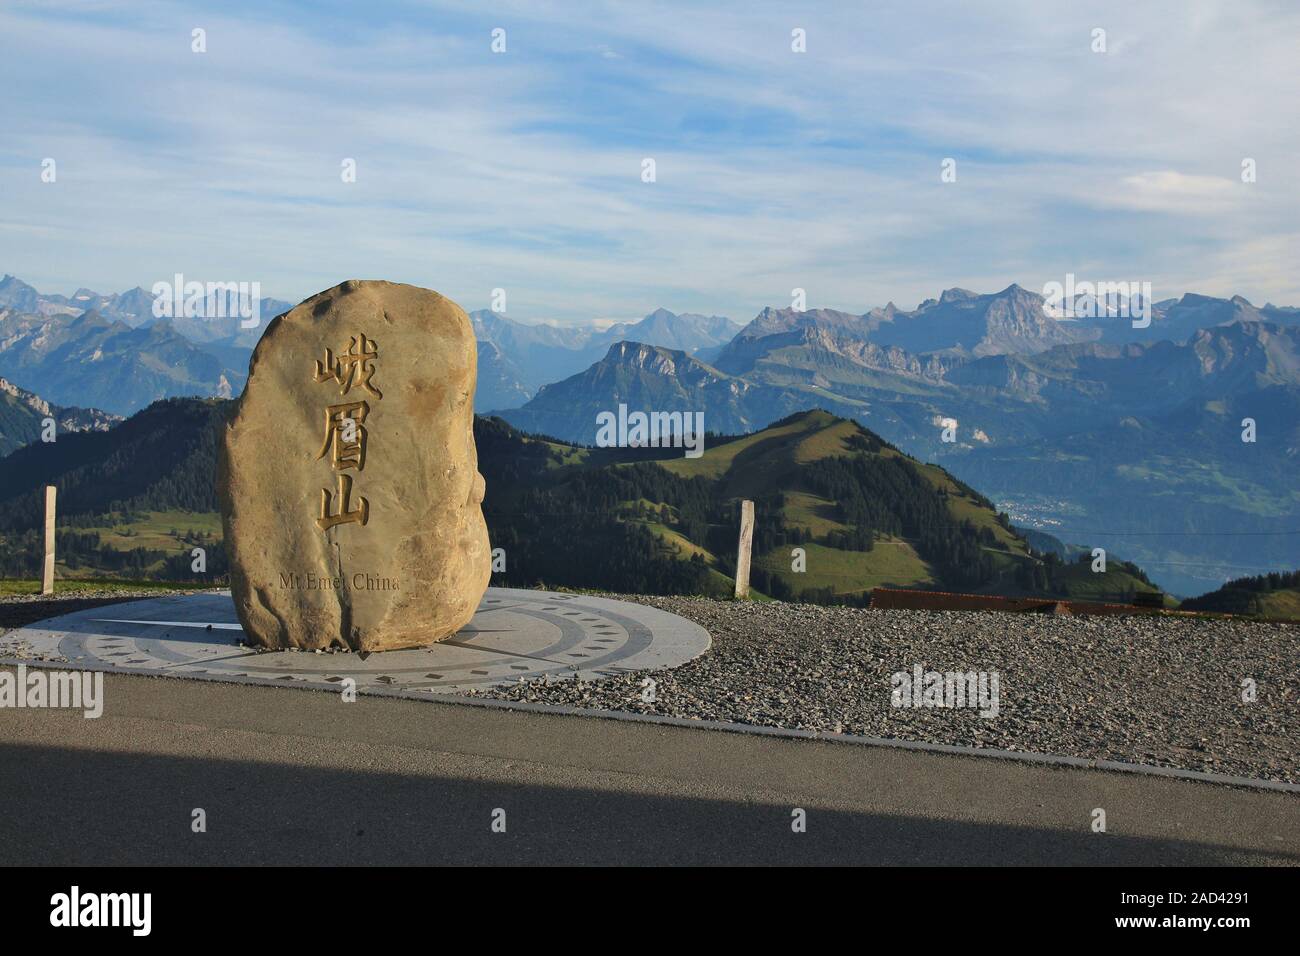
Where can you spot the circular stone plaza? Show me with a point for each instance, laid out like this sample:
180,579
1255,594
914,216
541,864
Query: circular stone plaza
514,634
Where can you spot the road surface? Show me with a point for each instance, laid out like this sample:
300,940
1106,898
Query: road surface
288,776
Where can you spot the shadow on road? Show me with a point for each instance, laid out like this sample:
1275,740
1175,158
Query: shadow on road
22,613
74,807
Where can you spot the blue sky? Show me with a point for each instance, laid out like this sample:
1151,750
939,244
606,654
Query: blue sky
775,169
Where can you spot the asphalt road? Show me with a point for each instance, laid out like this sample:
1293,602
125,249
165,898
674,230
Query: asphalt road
286,776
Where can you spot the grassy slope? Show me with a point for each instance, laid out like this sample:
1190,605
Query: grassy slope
154,529
814,513
151,529
1082,583
768,461
1280,604
891,563
716,462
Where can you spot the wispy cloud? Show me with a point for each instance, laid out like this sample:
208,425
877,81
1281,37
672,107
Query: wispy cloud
775,169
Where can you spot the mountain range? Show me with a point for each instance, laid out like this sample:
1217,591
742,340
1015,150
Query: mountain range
181,355
521,358
1134,444
89,360
1071,424
23,416
110,352
135,308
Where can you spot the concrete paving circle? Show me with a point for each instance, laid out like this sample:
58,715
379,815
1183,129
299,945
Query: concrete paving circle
515,633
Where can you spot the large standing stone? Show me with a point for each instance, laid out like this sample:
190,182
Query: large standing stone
349,484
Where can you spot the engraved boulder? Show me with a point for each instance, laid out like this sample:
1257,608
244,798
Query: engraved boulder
348,478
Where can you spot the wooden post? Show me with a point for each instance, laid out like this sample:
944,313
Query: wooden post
47,569
742,549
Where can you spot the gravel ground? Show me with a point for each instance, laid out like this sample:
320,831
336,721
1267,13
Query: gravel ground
1149,690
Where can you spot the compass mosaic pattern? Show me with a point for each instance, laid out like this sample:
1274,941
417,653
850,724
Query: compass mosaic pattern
515,633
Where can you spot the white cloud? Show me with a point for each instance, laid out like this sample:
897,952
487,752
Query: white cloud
776,170
1171,191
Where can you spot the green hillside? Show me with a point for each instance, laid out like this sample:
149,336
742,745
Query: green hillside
868,516
135,500
132,501
161,458
863,514
1275,596
1120,580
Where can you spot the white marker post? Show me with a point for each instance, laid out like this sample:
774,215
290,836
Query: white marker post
47,570
743,548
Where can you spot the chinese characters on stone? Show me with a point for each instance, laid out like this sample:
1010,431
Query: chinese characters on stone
345,430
